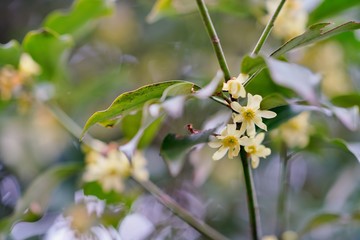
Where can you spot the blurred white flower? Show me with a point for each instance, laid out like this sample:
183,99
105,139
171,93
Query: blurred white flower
292,19
109,170
254,148
250,115
296,131
138,166
227,142
235,86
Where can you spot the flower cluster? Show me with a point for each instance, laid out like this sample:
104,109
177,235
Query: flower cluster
246,117
112,168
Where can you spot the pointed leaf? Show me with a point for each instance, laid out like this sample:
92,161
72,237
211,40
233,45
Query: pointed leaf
49,50
299,79
328,8
315,33
174,148
10,53
136,99
348,100
76,21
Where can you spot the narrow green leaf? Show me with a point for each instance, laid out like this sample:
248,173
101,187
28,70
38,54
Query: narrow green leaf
250,65
39,192
315,33
76,21
10,53
272,101
49,50
136,99
174,148
320,221
328,8
348,100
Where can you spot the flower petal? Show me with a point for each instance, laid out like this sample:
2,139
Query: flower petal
254,101
266,114
236,106
215,144
259,138
250,130
259,123
220,153
254,161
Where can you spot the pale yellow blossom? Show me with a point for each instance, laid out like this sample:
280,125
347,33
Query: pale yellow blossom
138,167
269,237
292,19
251,115
27,66
235,86
255,149
109,170
227,142
296,131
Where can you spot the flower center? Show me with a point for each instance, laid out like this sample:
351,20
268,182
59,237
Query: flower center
251,149
230,141
248,114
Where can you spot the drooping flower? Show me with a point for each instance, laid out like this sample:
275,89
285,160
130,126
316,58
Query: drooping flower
250,115
227,142
235,86
295,132
109,170
255,149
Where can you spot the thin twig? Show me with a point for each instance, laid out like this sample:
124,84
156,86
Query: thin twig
214,38
267,29
253,206
182,213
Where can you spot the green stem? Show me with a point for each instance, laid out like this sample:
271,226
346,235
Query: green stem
283,192
267,29
214,38
70,125
182,213
253,207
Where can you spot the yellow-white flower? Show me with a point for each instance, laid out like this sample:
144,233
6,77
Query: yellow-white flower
292,19
109,170
227,142
27,66
235,86
254,148
250,115
138,166
295,132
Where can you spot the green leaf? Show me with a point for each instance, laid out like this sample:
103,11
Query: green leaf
49,50
272,101
348,100
330,8
10,53
131,123
174,148
315,33
283,114
136,99
79,18
320,221
250,65
351,148
39,193
295,77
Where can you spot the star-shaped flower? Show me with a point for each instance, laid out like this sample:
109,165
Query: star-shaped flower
250,115
235,86
254,148
227,142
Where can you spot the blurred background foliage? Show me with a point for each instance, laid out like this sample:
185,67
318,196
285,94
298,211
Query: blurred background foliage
140,43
